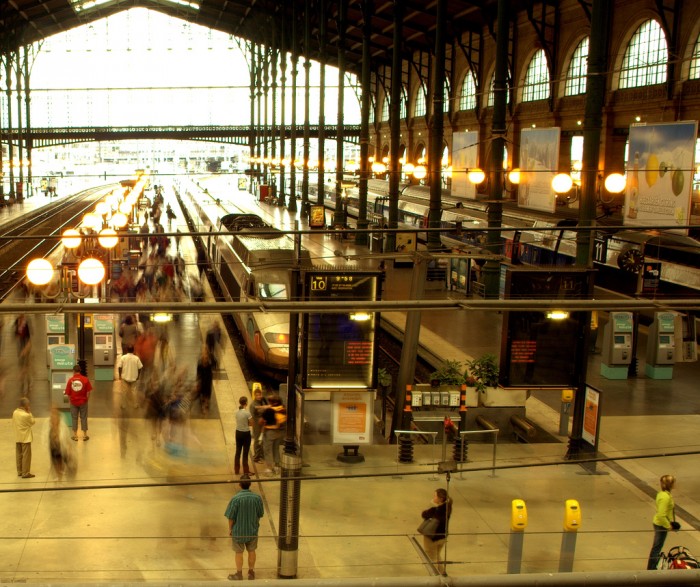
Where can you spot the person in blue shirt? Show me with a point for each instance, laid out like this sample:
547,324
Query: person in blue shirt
244,512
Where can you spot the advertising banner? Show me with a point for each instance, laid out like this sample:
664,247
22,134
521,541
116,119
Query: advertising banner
660,174
539,159
465,155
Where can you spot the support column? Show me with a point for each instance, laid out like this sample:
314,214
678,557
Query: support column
365,81
2,178
274,130
293,133
27,117
282,196
340,216
596,79
266,102
10,145
20,129
251,136
307,107
395,126
491,269
436,136
321,180
259,135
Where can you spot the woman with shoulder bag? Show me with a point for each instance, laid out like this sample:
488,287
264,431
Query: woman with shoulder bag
434,543
664,520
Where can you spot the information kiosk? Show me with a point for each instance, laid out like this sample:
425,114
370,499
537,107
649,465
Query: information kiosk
62,360
661,346
617,345
103,344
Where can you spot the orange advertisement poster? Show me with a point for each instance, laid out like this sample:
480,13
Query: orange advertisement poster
352,417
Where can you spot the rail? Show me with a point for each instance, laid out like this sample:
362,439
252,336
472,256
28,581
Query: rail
494,432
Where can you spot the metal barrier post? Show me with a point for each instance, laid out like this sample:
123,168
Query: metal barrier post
400,433
495,432
572,521
518,523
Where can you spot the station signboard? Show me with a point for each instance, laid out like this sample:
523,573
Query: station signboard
541,349
338,348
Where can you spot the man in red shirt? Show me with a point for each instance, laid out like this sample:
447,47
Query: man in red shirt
78,390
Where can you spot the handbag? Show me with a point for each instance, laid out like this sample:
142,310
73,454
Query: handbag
428,527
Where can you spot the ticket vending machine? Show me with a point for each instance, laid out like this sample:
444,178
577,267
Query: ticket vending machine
103,346
661,346
55,333
62,360
617,345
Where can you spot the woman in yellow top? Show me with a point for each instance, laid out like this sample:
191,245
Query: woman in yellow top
664,519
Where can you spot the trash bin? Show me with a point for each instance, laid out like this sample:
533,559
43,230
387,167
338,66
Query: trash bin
264,192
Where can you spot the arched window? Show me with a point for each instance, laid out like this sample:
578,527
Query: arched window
420,102
489,101
536,78
385,110
578,68
446,97
695,62
646,56
467,98
403,114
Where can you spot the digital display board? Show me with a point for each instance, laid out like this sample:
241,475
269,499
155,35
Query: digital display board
338,348
539,348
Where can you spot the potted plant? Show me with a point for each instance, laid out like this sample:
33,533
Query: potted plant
482,372
450,373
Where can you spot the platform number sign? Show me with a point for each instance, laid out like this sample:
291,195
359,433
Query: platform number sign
600,249
338,348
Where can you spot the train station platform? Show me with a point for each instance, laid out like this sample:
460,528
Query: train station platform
153,515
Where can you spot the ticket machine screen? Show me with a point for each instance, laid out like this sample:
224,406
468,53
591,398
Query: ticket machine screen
619,339
665,339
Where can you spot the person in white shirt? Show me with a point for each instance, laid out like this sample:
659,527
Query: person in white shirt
129,366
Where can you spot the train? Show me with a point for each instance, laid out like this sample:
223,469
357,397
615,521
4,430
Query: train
628,262
251,262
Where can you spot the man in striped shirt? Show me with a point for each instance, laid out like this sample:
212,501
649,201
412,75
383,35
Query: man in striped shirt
244,512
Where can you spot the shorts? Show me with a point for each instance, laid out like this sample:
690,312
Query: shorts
250,546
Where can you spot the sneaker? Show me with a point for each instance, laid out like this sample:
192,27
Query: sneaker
236,576
251,574
86,437
28,476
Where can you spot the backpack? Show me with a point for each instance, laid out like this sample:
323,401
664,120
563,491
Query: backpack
678,557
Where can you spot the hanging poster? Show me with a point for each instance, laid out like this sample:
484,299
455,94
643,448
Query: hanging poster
465,154
539,160
660,174
352,417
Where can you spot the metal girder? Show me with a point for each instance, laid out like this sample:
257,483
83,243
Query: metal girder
545,22
670,15
238,135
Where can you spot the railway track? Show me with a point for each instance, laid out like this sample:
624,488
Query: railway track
37,234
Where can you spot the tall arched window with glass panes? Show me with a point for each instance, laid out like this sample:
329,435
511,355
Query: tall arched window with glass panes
489,100
646,57
467,97
419,104
694,72
385,110
577,71
537,78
